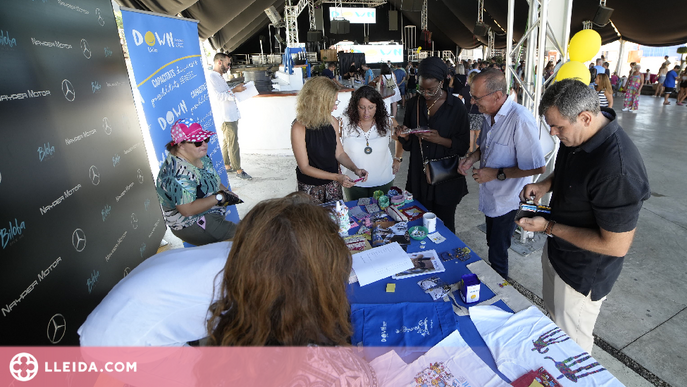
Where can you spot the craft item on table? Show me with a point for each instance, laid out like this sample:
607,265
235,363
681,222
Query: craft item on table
357,243
365,231
429,220
412,212
462,253
379,216
395,214
397,200
393,191
372,208
364,201
450,362
436,237
377,194
530,210
383,202
380,262
390,288
538,378
358,213
408,196
342,218
426,262
469,288
435,287
406,324
418,232
385,232
527,340
499,286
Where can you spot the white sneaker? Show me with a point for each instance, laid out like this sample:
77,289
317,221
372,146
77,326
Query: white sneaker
626,109
634,111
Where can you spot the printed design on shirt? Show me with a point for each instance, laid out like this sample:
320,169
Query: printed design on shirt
421,328
574,375
547,338
437,375
385,335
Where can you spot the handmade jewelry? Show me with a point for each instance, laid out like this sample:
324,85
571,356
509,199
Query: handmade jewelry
435,101
368,149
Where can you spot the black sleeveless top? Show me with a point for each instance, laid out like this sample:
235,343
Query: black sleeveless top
321,146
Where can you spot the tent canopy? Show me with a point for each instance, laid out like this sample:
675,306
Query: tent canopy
228,25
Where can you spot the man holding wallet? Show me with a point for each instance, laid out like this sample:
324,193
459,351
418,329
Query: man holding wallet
509,153
598,185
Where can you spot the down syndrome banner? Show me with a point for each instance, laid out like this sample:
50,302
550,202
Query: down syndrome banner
165,56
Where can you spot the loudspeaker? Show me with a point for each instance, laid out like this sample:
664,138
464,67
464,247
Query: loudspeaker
319,18
314,36
393,20
603,16
273,15
481,29
340,27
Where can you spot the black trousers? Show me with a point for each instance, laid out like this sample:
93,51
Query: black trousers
499,233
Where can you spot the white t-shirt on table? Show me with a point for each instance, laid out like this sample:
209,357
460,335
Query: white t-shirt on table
378,164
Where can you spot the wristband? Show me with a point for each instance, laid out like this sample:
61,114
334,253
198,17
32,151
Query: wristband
549,228
399,159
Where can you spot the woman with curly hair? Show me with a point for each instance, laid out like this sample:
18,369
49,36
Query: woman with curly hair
366,130
284,282
317,147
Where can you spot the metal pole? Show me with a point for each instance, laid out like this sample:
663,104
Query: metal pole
544,9
566,31
509,44
531,52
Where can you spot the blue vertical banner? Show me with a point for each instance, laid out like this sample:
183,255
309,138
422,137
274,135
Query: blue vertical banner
168,68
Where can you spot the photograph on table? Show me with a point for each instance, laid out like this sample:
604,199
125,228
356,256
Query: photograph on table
426,262
388,232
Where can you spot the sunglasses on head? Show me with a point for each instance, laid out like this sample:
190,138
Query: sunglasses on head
197,143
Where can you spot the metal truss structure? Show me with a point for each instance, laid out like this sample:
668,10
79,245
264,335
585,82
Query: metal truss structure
490,43
423,17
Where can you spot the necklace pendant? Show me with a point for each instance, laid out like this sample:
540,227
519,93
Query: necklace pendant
368,150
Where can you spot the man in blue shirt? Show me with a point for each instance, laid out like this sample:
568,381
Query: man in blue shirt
401,78
669,83
329,73
369,75
509,153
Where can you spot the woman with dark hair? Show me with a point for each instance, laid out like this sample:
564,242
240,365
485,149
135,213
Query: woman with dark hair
447,120
366,130
192,197
316,146
284,282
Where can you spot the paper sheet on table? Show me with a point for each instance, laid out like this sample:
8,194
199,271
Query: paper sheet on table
380,262
250,92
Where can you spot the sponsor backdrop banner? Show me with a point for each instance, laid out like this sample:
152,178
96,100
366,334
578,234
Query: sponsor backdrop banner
79,209
165,57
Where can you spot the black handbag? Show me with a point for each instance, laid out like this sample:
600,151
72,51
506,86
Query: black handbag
438,170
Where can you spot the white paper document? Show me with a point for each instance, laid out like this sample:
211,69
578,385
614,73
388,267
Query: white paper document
380,262
250,92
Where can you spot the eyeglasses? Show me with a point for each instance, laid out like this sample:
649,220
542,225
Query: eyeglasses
336,103
427,93
476,99
197,143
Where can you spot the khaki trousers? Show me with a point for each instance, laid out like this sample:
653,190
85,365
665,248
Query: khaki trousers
230,144
574,312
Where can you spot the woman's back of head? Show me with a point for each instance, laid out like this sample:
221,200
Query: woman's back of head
284,282
315,102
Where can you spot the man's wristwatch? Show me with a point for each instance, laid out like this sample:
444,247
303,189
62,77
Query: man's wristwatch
500,174
549,228
219,196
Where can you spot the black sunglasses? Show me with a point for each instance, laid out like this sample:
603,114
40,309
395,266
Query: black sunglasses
197,143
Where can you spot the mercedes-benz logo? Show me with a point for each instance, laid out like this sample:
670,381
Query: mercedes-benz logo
85,50
23,367
134,221
68,90
101,21
139,175
57,327
106,126
94,175
127,270
79,240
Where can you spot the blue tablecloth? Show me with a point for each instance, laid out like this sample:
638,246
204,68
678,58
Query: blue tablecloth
408,291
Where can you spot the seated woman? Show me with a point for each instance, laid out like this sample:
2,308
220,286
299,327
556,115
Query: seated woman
317,146
366,130
192,197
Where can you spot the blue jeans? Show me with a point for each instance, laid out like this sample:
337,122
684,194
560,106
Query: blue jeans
499,233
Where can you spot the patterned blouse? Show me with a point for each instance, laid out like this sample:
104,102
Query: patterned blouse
180,182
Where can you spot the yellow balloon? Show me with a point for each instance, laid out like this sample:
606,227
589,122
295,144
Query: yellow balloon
584,45
574,70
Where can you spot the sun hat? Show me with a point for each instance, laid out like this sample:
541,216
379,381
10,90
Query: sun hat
187,130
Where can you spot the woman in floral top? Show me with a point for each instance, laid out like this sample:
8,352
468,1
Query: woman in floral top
191,194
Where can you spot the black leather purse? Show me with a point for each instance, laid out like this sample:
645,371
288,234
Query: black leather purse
438,170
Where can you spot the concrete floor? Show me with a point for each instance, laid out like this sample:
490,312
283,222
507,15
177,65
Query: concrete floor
642,329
